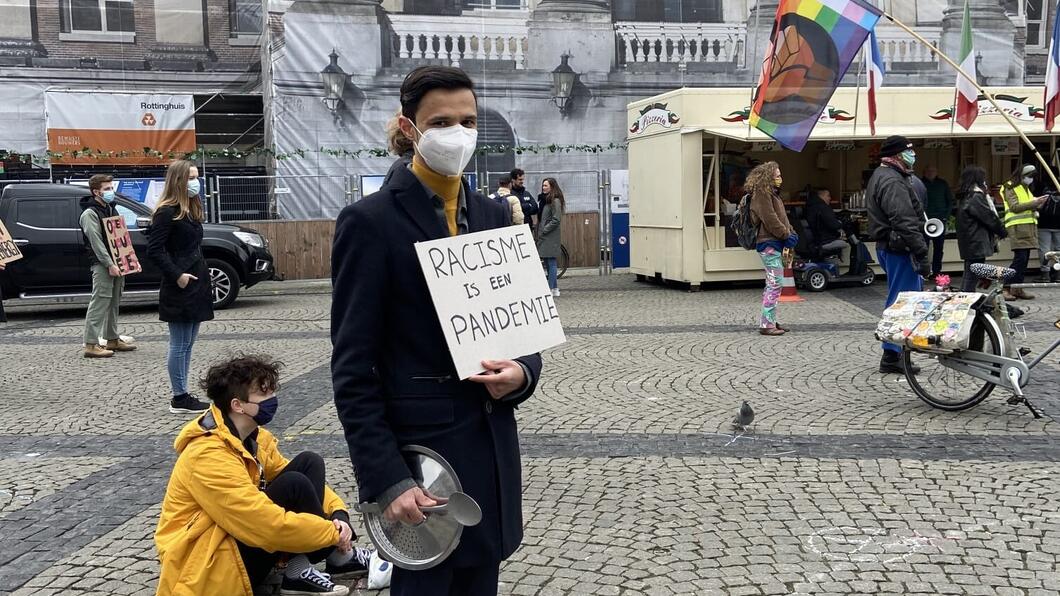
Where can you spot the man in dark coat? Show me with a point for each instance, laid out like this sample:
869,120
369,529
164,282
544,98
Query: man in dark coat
394,379
825,227
896,224
938,204
526,200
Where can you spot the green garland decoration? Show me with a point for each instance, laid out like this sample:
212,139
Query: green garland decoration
202,152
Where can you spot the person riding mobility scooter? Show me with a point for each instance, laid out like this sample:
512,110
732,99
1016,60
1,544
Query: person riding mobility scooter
819,253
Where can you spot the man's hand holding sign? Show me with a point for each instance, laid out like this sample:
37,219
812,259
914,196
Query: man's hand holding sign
492,301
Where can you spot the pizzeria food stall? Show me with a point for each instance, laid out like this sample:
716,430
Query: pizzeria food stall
689,151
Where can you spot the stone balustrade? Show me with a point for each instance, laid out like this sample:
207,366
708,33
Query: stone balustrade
900,52
455,39
681,43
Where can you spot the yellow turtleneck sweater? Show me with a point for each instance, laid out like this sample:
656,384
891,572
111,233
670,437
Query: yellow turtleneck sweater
447,187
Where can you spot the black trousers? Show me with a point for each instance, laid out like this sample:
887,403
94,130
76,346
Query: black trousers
936,254
298,488
970,281
1020,258
446,580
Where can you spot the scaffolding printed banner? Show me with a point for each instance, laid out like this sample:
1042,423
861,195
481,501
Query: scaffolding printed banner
118,128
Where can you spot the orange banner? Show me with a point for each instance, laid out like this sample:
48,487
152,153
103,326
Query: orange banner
127,145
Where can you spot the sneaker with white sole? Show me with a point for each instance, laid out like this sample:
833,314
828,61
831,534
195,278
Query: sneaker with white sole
187,404
312,583
555,292
355,568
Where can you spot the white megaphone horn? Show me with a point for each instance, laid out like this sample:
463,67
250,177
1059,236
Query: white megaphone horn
933,227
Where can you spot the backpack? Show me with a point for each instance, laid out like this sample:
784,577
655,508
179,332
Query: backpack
741,225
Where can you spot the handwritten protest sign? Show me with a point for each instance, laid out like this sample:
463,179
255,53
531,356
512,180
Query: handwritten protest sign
491,296
8,249
120,245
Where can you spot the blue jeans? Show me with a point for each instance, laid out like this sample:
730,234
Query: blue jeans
550,264
902,276
181,339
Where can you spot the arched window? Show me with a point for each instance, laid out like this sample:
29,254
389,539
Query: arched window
493,130
669,11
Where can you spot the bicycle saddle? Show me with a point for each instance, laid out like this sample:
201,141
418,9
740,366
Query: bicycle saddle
984,271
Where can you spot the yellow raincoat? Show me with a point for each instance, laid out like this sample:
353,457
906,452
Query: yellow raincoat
213,500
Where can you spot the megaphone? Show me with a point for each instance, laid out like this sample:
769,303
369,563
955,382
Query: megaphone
933,227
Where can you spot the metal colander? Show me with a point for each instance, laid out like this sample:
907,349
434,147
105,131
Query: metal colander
428,544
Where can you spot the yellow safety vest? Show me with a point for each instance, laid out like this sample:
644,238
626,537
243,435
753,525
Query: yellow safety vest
1023,195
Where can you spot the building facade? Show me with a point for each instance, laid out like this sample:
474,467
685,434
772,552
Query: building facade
332,68
210,49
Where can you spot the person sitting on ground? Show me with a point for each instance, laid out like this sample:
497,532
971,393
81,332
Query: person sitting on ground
234,503
825,227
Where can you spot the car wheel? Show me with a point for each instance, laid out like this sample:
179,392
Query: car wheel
817,280
869,278
224,283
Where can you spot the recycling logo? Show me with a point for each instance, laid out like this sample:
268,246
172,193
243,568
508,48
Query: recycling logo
148,119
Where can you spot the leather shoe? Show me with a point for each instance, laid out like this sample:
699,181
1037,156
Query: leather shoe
896,366
117,345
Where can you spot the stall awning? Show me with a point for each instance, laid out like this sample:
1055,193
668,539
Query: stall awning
915,112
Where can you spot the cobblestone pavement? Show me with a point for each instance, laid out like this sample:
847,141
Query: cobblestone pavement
634,480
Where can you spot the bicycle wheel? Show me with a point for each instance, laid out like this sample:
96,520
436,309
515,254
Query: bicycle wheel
564,261
945,388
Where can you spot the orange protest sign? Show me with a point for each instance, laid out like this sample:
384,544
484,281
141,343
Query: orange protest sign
120,245
8,249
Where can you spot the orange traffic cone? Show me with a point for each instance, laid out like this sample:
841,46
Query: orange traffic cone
788,292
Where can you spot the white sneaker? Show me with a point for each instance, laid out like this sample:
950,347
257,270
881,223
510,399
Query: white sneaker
555,292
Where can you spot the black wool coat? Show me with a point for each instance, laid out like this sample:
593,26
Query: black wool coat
978,226
394,380
175,246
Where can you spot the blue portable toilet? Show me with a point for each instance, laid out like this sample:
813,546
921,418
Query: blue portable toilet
619,218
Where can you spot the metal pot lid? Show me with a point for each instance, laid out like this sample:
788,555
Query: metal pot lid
425,545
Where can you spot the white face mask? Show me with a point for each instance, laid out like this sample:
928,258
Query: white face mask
1027,180
447,150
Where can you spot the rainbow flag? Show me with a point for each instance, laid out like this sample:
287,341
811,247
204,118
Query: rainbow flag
811,47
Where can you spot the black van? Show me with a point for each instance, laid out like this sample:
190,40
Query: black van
43,221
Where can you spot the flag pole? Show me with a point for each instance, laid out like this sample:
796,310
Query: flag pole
989,96
857,94
755,74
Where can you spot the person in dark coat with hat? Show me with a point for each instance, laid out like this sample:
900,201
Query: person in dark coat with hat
185,298
896,224
392,373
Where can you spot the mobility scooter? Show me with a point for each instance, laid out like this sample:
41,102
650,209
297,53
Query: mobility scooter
816,269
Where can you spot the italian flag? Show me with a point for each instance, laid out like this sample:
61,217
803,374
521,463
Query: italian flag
967,93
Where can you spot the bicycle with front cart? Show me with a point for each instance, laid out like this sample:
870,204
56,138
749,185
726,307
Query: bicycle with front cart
956,380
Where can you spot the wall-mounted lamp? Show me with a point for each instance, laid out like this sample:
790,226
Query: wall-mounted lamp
334,79
563,80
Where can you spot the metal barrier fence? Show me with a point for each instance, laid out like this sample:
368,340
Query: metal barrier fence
293,197
585,191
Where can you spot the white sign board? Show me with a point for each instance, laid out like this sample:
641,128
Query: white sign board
491,296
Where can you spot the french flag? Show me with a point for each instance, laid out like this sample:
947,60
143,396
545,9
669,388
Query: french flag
874,64
1052,76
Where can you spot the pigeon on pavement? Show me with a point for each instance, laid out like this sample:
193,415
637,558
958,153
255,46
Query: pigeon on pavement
744,417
